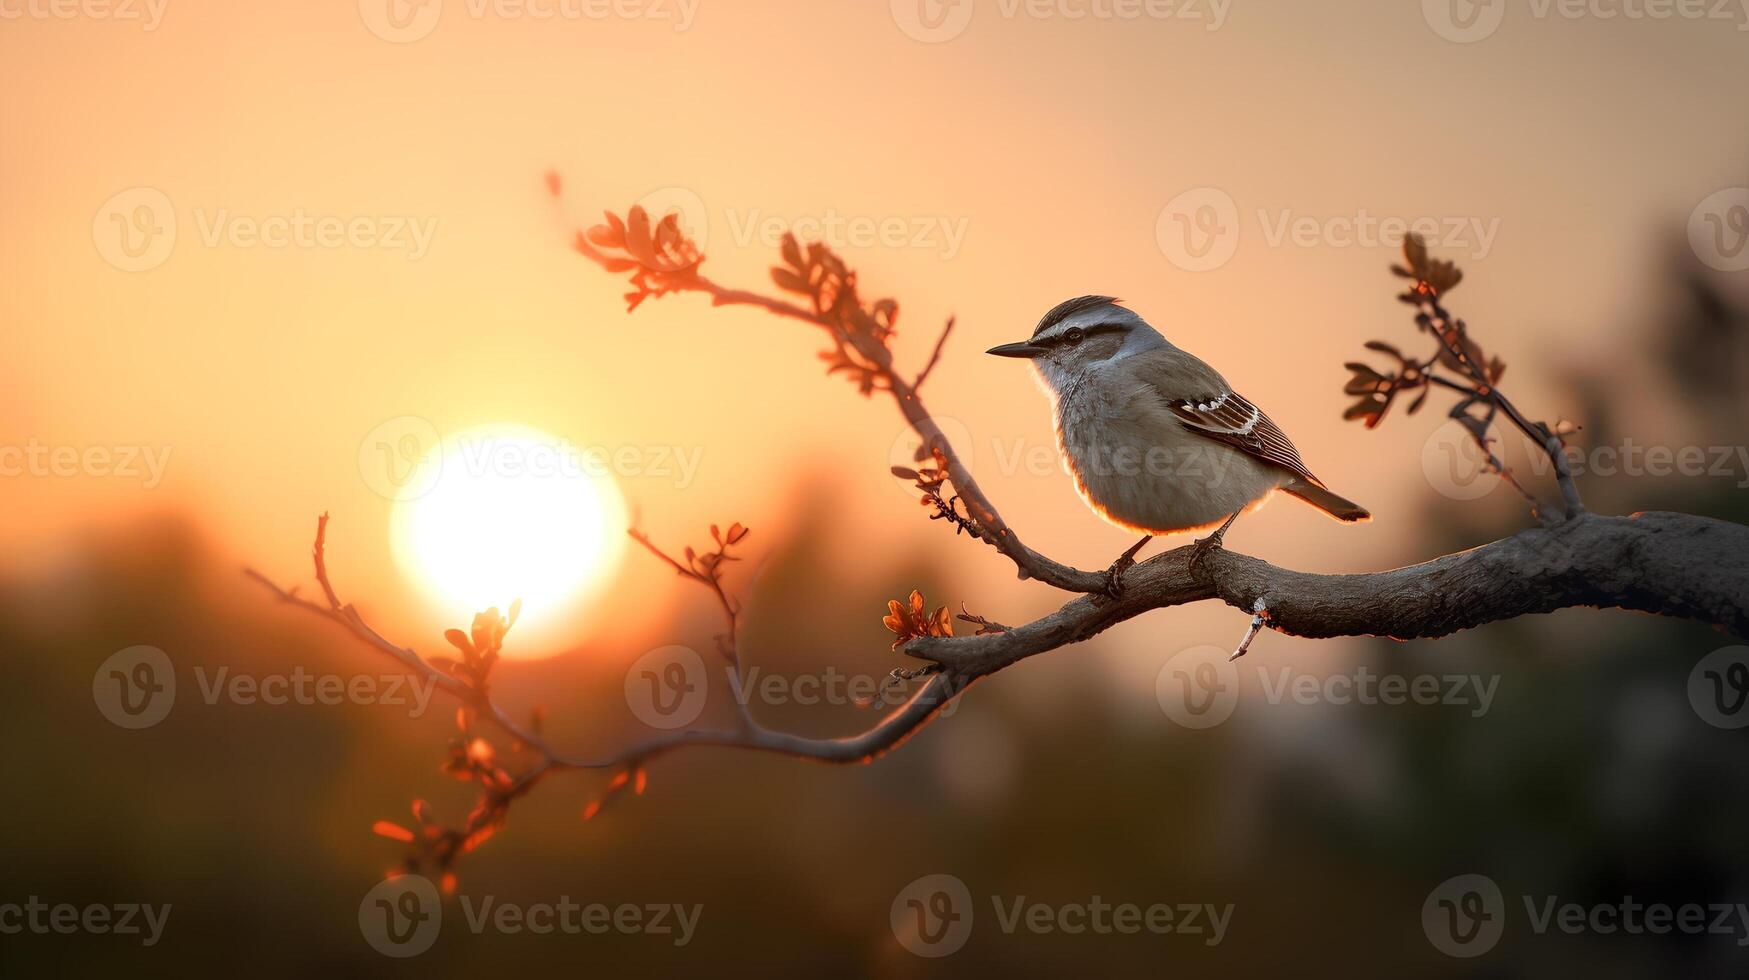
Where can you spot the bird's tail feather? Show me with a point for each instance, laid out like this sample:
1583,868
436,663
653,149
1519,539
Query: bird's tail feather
1344,510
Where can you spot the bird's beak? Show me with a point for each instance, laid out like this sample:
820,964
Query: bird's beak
1022,349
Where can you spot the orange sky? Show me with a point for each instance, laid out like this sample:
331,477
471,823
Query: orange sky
1033,155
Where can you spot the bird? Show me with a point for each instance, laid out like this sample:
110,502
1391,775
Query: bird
1156,440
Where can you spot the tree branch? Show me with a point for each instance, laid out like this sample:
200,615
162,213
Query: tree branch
1661,563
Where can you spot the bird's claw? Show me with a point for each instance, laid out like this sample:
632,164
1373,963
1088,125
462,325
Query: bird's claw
1114,587
1201,547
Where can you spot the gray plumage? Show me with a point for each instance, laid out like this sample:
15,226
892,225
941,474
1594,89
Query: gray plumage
1156,440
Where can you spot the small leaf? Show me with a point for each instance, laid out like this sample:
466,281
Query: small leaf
1365,407
393,831
789,280
637,227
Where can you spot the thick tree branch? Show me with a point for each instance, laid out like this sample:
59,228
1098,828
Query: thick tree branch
1668,564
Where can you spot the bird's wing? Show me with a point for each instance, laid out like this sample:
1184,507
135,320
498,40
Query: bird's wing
1228,417
1219,412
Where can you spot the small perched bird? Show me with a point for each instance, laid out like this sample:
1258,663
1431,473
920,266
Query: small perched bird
1157,441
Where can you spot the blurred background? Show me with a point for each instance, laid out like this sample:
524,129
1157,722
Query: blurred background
252,250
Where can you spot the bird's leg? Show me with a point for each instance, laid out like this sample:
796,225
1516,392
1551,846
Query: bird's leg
1203,546
1114,574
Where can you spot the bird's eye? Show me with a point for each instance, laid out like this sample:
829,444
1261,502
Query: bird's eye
1074,336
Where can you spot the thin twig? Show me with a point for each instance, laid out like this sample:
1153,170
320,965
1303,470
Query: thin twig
935,356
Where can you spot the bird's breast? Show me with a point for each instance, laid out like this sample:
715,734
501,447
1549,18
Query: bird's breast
1141,469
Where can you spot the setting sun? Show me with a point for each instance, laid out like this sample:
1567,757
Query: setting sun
513,513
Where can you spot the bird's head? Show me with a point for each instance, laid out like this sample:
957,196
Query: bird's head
1078,336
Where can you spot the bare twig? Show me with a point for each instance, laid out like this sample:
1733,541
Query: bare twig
935,356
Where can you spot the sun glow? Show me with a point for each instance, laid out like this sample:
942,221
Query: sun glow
513,513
